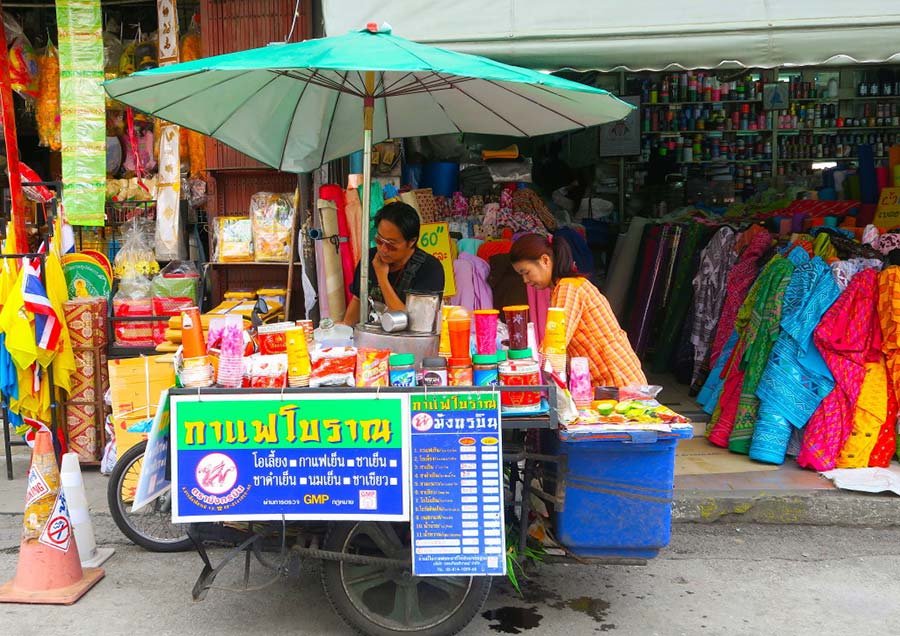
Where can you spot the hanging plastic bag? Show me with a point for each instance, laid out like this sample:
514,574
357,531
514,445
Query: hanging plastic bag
23,61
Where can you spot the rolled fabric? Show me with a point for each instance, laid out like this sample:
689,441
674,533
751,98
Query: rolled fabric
334,275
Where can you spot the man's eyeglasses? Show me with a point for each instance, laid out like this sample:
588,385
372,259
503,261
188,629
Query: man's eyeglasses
389,245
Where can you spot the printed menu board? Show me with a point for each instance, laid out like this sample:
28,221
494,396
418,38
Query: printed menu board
457,485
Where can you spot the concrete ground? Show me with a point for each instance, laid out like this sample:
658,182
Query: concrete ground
719,579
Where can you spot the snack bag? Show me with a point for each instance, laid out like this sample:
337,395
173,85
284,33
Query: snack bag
372,367
333,366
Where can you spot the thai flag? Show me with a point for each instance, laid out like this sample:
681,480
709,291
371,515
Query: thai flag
47,328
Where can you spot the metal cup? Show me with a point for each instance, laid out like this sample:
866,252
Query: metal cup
392,321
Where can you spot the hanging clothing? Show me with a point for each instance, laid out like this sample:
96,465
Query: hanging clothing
593,332
796,379
472,289
886,443
581,251
334,193
469,245
762,332
844,338
868,417
709,285
538,303
492,248
712,388
354,220
505,283
889,319
740,278
679,296
720,425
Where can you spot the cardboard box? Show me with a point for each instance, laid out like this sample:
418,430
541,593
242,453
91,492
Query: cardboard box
135,385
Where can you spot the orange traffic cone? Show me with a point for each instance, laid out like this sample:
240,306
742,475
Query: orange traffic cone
49,569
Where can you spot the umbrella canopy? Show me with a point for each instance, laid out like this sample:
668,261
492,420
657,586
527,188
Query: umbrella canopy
296,106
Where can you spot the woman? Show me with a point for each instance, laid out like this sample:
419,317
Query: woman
398,264
592,330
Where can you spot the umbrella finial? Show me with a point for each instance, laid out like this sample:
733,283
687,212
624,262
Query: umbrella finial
372,27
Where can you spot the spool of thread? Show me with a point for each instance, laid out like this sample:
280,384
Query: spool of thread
192,333
797,222
830,221
897,176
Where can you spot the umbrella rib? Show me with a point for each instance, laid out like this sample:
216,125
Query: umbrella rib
287,137
322,81
331,120
441,106
242,104
394,83
171,79
387,121
544,106
491,110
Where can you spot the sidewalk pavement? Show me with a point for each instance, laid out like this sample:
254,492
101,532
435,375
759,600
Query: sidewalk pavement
786,495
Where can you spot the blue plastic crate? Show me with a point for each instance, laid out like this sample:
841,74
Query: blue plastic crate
618,493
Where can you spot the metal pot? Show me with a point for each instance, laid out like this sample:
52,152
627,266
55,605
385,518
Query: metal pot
423,310
374,337
392,321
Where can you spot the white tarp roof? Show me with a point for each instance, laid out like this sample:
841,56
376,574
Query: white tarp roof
643,35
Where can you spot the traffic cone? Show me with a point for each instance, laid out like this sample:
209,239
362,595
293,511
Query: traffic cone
49,571
73,488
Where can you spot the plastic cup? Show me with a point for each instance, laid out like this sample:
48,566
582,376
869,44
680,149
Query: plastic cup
486,331
517,324
192,333
459,330
555,331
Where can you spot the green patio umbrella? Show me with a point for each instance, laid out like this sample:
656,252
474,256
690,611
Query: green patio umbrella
296,106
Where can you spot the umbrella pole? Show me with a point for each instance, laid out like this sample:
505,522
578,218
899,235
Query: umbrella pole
368,115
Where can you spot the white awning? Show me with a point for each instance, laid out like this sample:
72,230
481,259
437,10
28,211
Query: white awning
644,35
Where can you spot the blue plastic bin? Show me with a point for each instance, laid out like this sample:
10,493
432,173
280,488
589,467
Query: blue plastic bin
618,492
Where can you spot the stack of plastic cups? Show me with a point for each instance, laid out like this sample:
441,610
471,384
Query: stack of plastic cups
196,369
580,383
554,348
486,331
299,367
307,326
517,324
230,372
444,347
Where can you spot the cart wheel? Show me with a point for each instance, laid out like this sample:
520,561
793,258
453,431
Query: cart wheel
384,601
150,527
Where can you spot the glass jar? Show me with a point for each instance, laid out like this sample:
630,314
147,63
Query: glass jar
434,372
403,369
484,370
459,372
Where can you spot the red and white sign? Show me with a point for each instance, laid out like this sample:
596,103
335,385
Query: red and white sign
37,486
58,531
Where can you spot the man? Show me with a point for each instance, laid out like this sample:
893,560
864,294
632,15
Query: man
398,265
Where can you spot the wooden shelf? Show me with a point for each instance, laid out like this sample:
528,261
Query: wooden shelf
254,264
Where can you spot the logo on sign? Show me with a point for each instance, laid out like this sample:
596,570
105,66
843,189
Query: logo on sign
58,531
422,422
216,473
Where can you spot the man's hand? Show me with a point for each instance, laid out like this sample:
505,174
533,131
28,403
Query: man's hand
379,267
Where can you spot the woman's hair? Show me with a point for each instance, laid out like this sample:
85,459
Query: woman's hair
532,246
403,215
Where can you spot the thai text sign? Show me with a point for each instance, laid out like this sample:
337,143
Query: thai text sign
457,489
325,456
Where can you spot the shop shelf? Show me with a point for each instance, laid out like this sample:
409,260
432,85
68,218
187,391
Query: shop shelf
701,103
706,132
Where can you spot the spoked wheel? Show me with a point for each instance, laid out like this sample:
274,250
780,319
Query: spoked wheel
386,601
150,527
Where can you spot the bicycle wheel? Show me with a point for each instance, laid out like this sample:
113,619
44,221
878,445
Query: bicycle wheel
384,601
150,527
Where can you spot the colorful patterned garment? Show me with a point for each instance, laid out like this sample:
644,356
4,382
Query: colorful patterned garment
868,418
844,338
886,444
796,379
740,278
593,332
872,236
709,284
888,243
712,388
822,247
718,430
889,317
761,334
844,271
